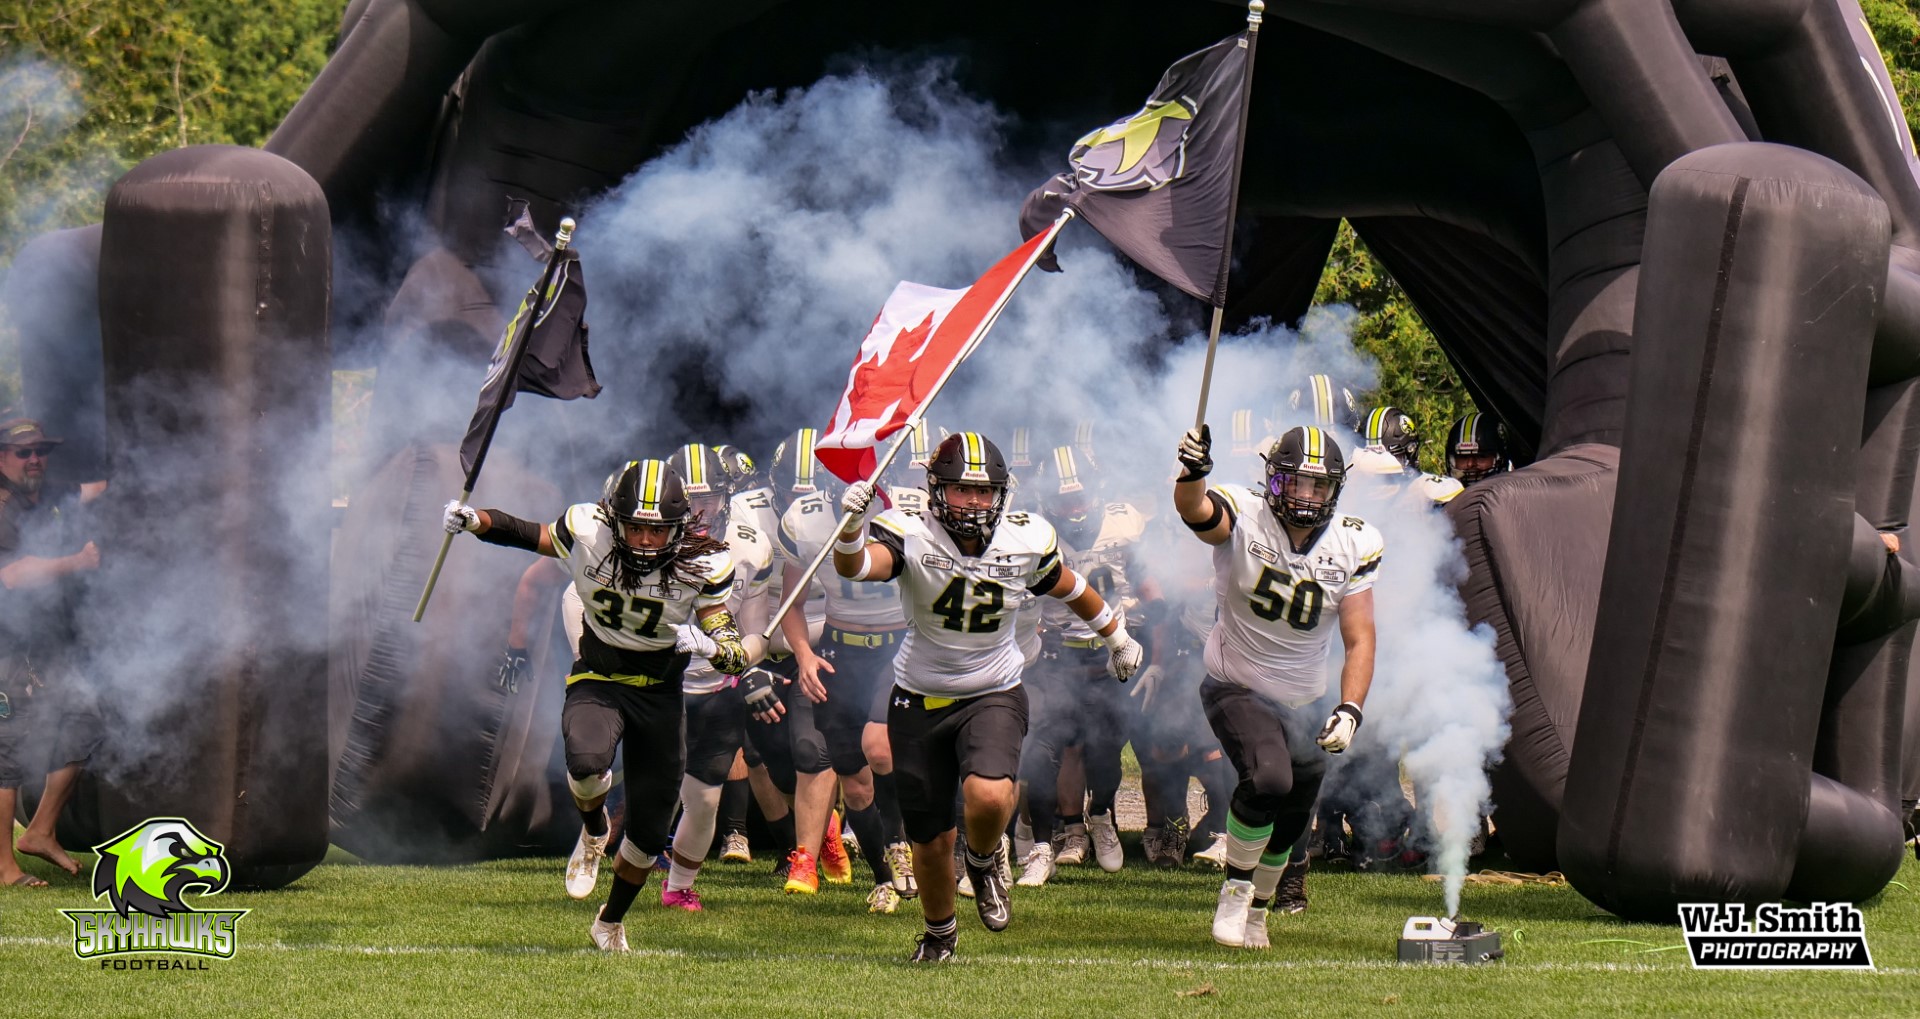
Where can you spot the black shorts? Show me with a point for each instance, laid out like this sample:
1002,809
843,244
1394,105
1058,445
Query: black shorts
1272,748
768,744
934,747
861,680
644,723
716,731
56,725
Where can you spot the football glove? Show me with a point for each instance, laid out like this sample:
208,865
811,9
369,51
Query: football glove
458,516
1341,725
1146,684
1196,453
694,641
762,692
857,499
513,665
1123,654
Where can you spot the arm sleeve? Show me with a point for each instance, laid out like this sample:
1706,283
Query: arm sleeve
562,532
888,533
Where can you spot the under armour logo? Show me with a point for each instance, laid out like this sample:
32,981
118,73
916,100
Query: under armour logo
902,702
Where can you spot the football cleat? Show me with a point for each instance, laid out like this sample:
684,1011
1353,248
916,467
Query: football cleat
1214,855
583,867
1150,842
883,899
991,896
835,864
735,849
1022,838
1291,896
1230,915
686,899
803,878
1037,867
900,859
931,947
850,840
1074,846
963,885
1257,929
1106,842
607,937
1173,842
1003,860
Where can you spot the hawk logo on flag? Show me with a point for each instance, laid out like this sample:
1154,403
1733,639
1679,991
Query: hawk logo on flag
1145,151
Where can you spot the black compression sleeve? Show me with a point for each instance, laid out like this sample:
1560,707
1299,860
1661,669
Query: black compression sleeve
1219,514
505,529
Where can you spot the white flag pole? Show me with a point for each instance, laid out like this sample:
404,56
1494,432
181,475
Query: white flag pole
966,351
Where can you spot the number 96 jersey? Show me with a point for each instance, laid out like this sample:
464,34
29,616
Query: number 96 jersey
1278,609
961,638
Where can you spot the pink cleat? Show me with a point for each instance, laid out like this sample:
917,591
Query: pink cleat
688,900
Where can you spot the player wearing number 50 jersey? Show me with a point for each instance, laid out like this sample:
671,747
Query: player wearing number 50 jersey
957,712
1286,569
644,574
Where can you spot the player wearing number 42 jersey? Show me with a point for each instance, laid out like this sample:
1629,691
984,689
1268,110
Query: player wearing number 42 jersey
1286,569
644,575
957,712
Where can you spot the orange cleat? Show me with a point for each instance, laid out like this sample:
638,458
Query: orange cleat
802,877
833,854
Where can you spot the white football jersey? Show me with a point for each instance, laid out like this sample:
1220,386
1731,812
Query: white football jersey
962,637
1107,563
807,527
753,571
755,507
640,620
1277,608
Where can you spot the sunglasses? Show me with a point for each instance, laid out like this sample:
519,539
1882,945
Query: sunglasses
29,452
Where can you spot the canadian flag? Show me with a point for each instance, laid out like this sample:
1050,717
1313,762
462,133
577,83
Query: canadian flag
917,340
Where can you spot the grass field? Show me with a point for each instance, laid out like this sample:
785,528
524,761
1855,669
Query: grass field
502,939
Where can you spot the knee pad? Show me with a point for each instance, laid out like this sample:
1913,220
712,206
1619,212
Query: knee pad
700,809
591,787
1253,807
847,758
632,854
810,755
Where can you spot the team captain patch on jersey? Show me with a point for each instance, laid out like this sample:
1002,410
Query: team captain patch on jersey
962,640
753,571
1277,609
808,524
641,620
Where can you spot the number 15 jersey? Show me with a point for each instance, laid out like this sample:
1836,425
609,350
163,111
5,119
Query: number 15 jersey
1278,608
961,639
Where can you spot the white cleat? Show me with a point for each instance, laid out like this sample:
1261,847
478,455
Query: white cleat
1037,867
583,867
608,937
1073,846
1106,842
963,886
1230,916
1257,929
1003,860
1022,838
900,859
1215,854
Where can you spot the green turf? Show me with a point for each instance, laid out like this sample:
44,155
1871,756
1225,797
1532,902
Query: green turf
501,939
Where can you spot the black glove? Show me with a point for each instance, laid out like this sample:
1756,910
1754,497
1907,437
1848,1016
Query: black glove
1196,453
513,665
761,695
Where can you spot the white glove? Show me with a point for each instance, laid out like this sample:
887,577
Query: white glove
1123,654
694,641
857,499
1146,684
1340,727
1196,453
458,516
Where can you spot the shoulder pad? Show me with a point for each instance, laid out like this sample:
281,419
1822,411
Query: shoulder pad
1440,489
1025,532
1123,524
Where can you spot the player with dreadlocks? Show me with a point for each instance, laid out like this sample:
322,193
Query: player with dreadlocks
645,575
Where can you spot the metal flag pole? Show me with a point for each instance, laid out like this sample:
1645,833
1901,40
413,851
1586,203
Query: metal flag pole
516,354
973,343
1256,12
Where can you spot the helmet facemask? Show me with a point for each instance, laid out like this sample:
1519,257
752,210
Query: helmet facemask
969,524
623,507
1301,499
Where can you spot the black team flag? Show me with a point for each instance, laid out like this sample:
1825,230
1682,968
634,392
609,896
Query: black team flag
1160,184
543,349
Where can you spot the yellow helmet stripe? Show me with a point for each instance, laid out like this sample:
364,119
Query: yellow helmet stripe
1083,434
696,457
1315,451
1468,430
803,461
1020,446
1069,470
1323,397
918,442
1376,425
976,457
1242,427
650,486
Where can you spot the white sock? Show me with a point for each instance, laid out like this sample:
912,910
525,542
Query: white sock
700,814
679,876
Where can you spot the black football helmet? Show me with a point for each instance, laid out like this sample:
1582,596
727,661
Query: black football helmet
743,474
1328,402
967,458
796,472
1392,430
1481,438
703,475
1305,471
644,492
1070,488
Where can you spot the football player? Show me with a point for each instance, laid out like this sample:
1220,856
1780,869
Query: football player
1071,698
1286,568
957,712
853,670
1328,403
646,579
717,703
1392,454
1476,449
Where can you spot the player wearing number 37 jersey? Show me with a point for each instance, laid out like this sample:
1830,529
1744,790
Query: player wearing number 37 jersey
957,713
1287,568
